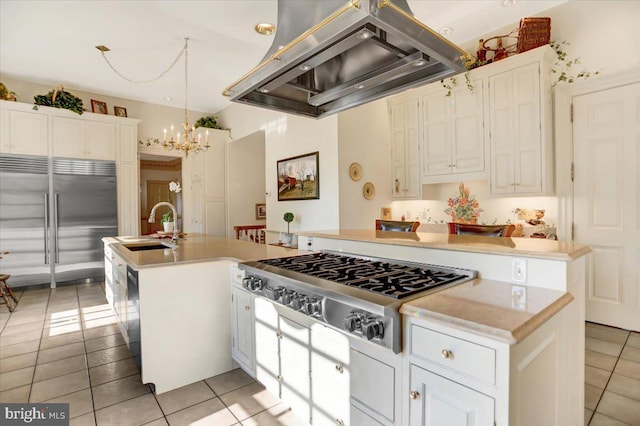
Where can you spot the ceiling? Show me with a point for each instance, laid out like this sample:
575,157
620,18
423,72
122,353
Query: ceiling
53,42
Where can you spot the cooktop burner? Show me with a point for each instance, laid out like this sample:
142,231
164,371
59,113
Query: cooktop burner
390,279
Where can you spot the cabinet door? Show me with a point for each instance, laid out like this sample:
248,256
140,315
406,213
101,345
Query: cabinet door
330,377
396,120
502,133
439,401
27,133
467,141
101,140
128,144
412,149
69,137
405,151
128,220
295,367
266,341
214,169
242,327
436,152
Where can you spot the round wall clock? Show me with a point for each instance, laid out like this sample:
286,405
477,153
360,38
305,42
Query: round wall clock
355,171
368,191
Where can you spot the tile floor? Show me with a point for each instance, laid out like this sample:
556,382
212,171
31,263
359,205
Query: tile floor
62,345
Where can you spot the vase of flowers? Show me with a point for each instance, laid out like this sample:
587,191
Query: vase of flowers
463,208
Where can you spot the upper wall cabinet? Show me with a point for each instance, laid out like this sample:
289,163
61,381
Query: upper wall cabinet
453,143
404,117
78,138
520,134
22,131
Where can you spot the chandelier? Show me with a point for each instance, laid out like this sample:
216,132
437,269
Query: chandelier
186,140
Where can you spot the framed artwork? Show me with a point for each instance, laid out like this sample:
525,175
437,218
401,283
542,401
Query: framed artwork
99,107
119,111
261,211
385,213
298,177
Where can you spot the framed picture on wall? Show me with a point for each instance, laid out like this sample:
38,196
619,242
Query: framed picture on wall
298,177
261,211
119,111
99,107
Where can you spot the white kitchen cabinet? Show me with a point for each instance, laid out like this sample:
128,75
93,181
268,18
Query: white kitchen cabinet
242,320
127,182
519,105
267,346
81,138
453,143
295,368
405,147
128,144
23,132
116,288
438,401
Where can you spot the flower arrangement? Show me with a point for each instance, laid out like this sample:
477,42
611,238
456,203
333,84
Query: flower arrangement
175,187
463,206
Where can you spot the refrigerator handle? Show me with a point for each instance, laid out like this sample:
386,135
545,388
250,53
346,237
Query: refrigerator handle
57,225
46,229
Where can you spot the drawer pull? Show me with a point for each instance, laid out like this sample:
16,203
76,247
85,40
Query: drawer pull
279,334
446,353
119,265
414,394
339,422
117,282
340,368
280,378
247,308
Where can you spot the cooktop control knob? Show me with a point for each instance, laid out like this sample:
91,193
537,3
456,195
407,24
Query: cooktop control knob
312,306
296,301
273,293
287,295
373,328
353,322
256,284
246,282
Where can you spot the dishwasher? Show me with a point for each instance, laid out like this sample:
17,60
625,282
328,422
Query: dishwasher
133,315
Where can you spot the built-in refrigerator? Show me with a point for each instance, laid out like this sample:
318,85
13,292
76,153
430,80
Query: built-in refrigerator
54,213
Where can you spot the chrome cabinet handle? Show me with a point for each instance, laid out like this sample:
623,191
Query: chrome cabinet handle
56,220
414,394
280,378
46,229
446,353
340,368
339,422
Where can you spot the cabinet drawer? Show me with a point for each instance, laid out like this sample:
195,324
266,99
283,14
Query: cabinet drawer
119,266
375,391
236,274
459,355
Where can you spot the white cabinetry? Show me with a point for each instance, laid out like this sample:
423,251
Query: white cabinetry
242,321
22,131
453,134
520,124
128,180
116,288
81,138
405,147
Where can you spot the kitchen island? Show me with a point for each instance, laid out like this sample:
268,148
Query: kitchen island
178,322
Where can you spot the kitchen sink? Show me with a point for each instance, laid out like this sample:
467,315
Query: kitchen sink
145,246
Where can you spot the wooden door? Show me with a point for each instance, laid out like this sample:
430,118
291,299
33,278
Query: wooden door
606,146
157,191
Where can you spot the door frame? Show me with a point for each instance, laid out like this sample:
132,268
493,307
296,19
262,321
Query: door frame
563,100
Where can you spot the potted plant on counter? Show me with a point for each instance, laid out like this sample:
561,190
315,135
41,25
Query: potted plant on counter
288,237
167,222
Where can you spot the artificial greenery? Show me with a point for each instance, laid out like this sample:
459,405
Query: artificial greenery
6,94
209,122
288,217
562,66
59,98
150,141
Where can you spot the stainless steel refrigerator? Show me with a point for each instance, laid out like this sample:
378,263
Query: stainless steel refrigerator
54,213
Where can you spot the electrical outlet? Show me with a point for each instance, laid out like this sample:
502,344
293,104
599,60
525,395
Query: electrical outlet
519,271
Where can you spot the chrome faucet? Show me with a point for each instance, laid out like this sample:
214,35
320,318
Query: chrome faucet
152,219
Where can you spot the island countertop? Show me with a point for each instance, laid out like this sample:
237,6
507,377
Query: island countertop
515,246
195,249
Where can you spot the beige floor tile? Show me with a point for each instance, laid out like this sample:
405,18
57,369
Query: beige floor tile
62,310
19,394
21,328
94,333
79,402
158,422
185,396
99,322
104,342
60,340
630,354
601,361
58,386
118,390
249,400
229,381
17,362
620,408
113,371
108,355
84,420
137,411
280,415
19,348
62,329
63,318
628,368
609,334
587,416
634,340
103,311
625,386
596,377
600,420
20,338
211,412
601,346
16,378
60,367
60,352
18,318
591,396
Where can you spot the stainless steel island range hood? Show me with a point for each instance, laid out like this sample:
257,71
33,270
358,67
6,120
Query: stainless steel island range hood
328,56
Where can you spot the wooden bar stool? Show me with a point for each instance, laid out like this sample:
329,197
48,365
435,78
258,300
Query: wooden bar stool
5,288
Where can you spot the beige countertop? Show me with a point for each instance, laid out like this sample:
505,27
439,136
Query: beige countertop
194,249
525,247
499,310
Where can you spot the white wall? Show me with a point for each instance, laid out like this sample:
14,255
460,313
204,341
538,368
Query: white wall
246,179
606,37
287,136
